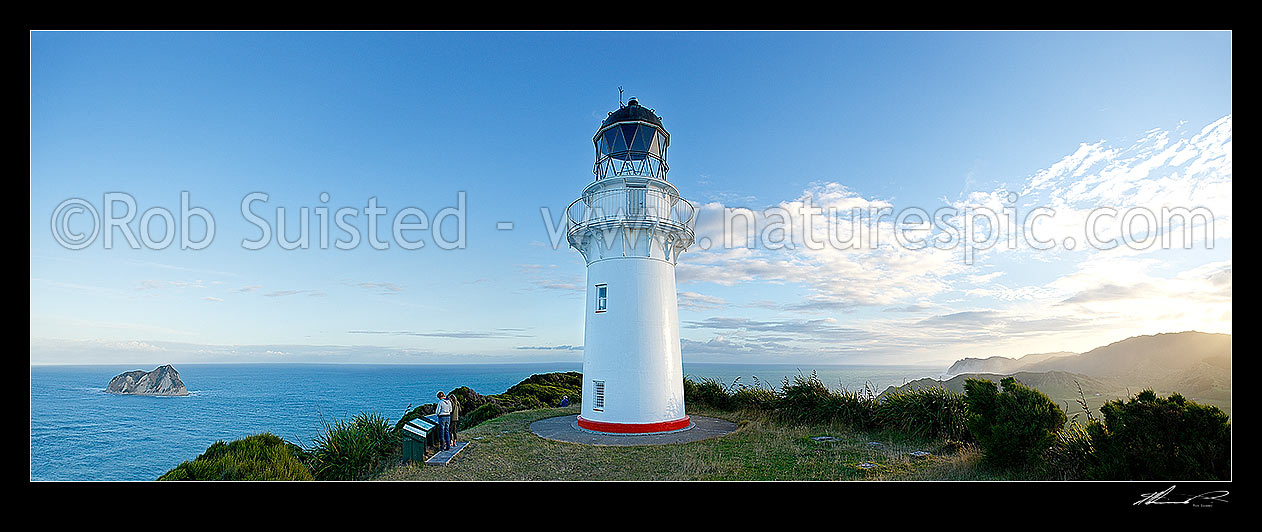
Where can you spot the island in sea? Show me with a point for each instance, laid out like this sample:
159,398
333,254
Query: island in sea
163,380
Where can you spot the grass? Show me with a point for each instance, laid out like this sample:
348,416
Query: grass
760,449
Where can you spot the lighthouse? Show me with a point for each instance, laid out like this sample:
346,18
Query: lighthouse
631,225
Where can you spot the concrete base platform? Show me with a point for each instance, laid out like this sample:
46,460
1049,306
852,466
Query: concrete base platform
445,457
566,429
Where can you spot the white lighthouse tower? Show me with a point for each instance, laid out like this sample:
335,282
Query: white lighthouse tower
631,225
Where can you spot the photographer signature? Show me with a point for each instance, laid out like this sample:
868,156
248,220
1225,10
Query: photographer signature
1205,499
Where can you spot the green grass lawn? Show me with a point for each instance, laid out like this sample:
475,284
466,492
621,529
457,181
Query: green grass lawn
505,449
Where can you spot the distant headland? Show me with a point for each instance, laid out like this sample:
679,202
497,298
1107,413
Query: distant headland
1195,364
163,380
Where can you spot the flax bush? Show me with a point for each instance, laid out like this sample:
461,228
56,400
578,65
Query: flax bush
354,449
930,412
755,397
927,412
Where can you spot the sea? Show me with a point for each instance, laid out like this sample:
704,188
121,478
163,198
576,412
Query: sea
79,432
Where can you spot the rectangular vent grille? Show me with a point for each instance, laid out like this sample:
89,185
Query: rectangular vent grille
598,403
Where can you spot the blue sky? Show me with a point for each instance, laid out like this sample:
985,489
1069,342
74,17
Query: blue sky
1067,120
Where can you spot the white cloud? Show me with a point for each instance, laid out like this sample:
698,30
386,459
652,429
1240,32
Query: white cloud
782,244
696,301
285,293
381,287
1077,297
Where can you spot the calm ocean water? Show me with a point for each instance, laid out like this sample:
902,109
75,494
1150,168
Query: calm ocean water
80,432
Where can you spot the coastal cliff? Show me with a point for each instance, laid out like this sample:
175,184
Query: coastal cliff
1003,365
163,380
1195,364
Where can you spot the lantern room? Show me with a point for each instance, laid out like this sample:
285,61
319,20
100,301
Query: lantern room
631,142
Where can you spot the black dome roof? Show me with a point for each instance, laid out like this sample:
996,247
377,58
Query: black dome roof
632,111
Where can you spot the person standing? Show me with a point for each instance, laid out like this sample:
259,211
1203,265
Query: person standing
455,419
443,412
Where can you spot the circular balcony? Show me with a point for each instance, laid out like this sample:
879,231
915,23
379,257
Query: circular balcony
631,207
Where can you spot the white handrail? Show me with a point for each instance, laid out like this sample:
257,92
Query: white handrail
630,205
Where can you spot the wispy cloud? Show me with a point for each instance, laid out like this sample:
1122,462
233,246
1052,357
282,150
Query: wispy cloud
180,268
824,327
381,287
696,301
285,293
152,284
547,277
559,285
498,333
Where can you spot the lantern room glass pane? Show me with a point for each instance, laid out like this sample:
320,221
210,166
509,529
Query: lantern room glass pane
619,143
628,133
643,138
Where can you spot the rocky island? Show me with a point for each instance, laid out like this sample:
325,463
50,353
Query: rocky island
163,380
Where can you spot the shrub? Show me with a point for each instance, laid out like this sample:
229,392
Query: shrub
1153,438
927,412
543,395
259,457
690,390
1013,427
568,383
806,399
856,408
353,450
541,390
709,392
756,397
1070,454
568,379
483,413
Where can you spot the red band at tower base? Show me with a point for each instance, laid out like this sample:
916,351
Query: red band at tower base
634,428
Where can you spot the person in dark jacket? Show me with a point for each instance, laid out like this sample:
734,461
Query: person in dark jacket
565,401
455,419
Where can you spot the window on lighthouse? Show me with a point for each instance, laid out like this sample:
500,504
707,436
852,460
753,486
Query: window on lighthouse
599,392
602,297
